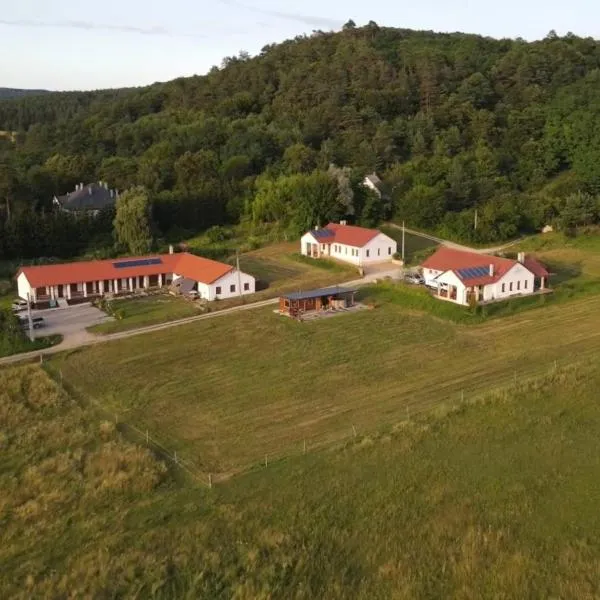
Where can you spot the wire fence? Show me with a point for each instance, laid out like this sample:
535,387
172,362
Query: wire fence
519,381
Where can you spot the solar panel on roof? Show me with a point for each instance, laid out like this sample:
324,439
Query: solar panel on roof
140,262
472,272
320,233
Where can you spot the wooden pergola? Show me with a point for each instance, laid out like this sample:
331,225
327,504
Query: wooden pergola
298,303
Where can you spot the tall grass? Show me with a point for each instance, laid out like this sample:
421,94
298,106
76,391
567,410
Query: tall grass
496,498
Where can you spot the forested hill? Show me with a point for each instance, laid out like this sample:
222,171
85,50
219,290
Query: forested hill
452,123
15,93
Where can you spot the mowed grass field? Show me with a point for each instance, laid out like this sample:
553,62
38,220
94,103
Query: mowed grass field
496,499
227,392
280,268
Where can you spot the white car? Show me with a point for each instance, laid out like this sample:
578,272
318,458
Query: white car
414,278
19,305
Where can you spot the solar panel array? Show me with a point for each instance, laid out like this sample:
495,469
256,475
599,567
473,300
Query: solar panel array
140,262
473,272
321,233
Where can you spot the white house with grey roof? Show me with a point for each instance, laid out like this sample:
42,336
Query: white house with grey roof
373,183
87,199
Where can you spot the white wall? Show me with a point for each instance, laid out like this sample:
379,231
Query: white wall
380,249
307,238
349,254
210,291
370,185
23,286
429,275
522,280
450,278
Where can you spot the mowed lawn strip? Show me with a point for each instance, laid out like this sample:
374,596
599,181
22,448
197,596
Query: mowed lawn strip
225,393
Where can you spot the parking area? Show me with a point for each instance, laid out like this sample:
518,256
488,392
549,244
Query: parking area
70,322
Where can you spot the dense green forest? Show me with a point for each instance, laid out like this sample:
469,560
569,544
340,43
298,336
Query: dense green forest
17,93
456,125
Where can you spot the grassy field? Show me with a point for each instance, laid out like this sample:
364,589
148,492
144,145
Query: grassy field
414,245
148,310
277,268
227,392
495,499
280,268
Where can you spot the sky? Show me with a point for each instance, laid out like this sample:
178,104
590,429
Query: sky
81,44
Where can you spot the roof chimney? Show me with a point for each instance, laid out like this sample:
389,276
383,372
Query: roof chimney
171,249
521,257
491,270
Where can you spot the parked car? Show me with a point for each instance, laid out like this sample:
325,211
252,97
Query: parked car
37,322
19,305
414,278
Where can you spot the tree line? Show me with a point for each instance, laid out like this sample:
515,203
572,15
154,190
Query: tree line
475,138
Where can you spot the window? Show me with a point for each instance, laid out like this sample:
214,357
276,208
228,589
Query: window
218,290
510,286
518,285
368,251
246,287
232,288
503,288
389,251
346,249
525,285
378,251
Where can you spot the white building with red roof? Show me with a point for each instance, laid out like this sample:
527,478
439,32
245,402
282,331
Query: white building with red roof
355,245
78,281
467,277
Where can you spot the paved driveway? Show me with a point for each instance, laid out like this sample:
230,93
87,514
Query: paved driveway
69,322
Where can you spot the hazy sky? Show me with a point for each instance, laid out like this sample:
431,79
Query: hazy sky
82,44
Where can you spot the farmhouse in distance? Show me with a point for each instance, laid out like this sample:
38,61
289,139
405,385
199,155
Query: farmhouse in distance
468,277
74,282
87,199
348,243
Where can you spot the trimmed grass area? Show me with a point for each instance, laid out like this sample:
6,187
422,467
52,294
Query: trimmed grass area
281,268
131,313
278,268
256,384
414,245
496,499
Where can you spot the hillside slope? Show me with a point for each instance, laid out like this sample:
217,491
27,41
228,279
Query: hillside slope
453,123
18,93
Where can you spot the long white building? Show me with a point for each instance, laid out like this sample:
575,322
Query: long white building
467,277
355,245
77,281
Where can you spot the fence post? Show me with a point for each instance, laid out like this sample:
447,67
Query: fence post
304,450
266,461
175,456
354,431
210,481
147,438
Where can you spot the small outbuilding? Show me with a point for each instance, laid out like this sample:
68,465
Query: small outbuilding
333,298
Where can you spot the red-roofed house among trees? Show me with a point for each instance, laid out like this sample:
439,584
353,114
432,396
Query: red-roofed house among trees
469,277
355,245
78,281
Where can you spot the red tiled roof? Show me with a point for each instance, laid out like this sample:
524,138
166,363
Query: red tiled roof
188,265
449,259
536,267
350,235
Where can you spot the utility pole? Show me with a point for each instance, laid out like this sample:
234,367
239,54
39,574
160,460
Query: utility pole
239,275
29,318
403,240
